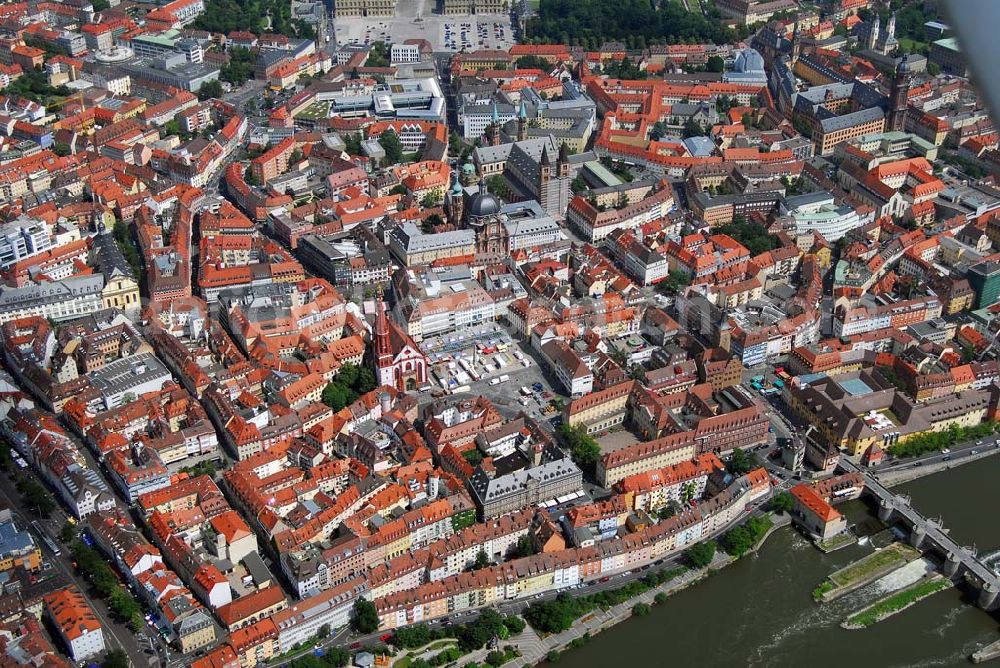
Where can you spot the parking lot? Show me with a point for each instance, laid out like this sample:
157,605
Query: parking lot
506,372
415,20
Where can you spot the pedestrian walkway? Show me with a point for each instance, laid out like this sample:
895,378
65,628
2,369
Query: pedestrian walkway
534,648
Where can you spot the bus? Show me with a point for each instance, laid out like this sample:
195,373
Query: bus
49,543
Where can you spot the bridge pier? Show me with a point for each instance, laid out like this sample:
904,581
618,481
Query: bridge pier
988,596
952,564
884,511
917,536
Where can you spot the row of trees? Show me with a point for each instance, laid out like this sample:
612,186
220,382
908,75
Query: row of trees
590,23
333,657
474,635
559,614
935,441
739,540
107,585
127,245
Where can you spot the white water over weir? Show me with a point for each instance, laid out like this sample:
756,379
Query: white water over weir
903,576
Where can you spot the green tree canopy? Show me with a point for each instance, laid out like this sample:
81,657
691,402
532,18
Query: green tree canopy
701,554
582,446
365,618
392,146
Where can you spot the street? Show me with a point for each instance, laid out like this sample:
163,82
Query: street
119,635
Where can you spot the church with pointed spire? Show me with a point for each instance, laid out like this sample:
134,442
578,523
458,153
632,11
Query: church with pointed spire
398,361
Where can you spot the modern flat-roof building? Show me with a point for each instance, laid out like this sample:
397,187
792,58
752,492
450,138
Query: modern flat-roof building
946,54
984,278
818,212
133,376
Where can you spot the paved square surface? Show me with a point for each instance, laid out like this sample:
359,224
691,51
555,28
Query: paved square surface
416,19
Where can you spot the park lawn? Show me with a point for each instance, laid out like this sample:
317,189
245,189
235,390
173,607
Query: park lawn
405,660
913,46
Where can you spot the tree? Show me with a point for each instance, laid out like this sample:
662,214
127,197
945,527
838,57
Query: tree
61,149
660,598
115,658
676,281
430,200
352,144
482,560
640,609
737,541
582,446
210,89
782,502
392,146
701,554
498,186
336,396
240,66
35,497
741,463
514,624
366,381
715,64
524,547
658,131
323,631
365,618
68,533
378,56
337,657
933,69
533,62
429,223
172,127
693,129
348,374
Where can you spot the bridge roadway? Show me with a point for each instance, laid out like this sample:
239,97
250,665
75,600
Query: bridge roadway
924,530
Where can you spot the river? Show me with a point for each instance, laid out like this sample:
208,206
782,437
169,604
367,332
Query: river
759,611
